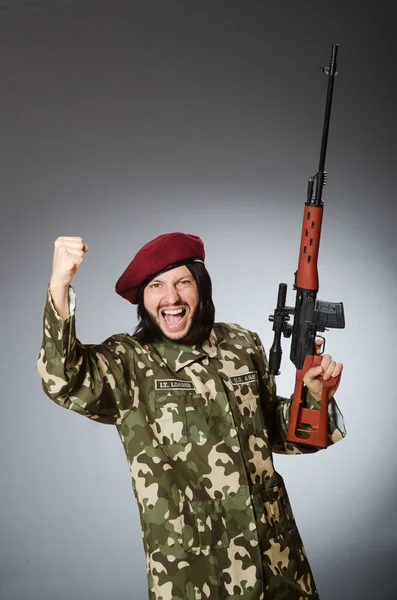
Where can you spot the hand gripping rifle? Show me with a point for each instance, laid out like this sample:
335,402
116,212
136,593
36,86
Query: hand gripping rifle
308,426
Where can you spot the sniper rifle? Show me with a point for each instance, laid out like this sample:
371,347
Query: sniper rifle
308,425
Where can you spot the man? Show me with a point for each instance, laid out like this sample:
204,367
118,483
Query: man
199,418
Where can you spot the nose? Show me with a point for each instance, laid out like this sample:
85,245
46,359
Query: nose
171,295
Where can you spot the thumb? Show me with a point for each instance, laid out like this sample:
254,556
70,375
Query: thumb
313,373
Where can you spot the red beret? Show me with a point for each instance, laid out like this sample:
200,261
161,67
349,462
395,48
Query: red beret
165,251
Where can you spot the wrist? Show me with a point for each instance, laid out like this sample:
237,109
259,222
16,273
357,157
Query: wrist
312,398
60,298
59,285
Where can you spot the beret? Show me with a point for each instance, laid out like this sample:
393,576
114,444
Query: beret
165,252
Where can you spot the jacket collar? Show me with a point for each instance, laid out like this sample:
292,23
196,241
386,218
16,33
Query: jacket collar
177,356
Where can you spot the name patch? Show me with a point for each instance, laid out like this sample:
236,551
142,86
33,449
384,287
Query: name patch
244,378
173,384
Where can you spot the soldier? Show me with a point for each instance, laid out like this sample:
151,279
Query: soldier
199,418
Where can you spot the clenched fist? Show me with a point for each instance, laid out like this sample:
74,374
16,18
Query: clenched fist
314,377
68,256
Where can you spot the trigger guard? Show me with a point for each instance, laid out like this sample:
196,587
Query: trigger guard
322,347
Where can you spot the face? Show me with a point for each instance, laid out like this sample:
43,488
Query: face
171,300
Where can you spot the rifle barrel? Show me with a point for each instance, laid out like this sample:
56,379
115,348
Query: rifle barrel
331,72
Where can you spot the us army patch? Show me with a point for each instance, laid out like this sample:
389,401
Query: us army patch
244,378
173,384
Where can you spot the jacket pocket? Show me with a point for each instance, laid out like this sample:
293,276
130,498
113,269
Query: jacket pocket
277,511
180,417
204,526
248,403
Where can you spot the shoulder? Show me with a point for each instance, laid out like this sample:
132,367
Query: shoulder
235,333
122,343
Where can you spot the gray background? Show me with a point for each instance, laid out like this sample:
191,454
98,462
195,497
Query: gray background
121,120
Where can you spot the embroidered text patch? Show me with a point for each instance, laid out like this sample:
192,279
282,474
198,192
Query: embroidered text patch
173,384
244,378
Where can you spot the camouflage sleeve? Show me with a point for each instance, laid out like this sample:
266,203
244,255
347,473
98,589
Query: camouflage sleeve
93,380
276,411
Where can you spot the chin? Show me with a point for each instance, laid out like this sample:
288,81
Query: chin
177,336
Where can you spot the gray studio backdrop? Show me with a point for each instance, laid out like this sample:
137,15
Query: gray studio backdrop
121,120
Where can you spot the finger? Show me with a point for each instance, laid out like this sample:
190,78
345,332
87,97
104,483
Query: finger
337,370
65,253
76,245
329,370
75,252
70,250
78,251
312,374
326,361
72,254
73,238
319,344
72,242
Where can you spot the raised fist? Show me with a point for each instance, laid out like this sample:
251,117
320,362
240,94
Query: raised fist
68,256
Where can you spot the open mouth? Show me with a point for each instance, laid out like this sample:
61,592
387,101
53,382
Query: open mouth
175,317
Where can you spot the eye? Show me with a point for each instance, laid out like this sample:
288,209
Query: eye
184,282
154,285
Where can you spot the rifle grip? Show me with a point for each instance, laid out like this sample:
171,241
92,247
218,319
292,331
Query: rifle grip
301,415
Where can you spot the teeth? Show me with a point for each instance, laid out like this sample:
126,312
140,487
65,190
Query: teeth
173,312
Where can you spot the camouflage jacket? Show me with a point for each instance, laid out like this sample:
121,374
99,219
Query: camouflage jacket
199,425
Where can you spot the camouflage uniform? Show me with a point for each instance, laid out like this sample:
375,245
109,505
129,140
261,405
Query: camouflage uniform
199,425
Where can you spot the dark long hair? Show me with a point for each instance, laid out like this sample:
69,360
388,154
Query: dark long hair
148,331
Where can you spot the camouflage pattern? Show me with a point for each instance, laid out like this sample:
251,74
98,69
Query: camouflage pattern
199,425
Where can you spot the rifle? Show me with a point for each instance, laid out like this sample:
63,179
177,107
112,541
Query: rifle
308,426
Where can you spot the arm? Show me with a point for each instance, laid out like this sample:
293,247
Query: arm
93,380
276,411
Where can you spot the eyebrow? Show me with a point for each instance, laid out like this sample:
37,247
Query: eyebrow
177,281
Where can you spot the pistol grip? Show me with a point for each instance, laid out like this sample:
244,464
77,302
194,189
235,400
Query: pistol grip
301,416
